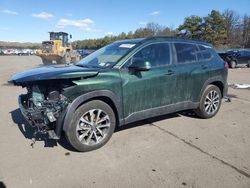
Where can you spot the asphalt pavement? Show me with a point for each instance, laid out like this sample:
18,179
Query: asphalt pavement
176,150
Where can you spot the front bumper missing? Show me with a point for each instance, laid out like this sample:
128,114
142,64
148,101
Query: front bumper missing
23,110
37,118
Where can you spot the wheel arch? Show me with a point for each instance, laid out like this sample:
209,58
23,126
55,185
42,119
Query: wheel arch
108,101
235,59
232,58
106,96
220,85
217,81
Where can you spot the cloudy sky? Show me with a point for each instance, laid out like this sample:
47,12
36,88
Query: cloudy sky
31,20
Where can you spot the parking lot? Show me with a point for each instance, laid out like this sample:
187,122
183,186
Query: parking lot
177,150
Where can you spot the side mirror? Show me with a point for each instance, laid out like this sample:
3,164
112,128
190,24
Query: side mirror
139,65
70,36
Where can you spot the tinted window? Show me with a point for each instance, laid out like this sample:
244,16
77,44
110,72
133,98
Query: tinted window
186,53
156,54
205,52
244,53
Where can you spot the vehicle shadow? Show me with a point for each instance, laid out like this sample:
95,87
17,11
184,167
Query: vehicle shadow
187,113
2,185
29,131
146,121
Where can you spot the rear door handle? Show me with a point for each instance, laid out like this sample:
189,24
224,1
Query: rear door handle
204,67
169,73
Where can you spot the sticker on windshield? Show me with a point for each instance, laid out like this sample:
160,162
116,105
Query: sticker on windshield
127,45
102,64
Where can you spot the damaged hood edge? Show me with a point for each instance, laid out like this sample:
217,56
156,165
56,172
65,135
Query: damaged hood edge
53,72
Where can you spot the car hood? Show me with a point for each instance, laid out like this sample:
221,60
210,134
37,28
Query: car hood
53,72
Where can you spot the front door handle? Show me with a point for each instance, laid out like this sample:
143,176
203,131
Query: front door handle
169,73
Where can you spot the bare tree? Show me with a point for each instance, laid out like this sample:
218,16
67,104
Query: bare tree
233,28
154,28
246,31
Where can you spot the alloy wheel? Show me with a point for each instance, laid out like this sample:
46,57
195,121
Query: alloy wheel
212,102
93,127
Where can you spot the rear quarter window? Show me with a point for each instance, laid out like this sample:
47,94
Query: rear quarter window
205,52
186,53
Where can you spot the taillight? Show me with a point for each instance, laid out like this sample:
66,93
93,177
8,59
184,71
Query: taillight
226,65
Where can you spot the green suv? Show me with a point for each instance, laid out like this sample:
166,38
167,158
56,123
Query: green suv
123,82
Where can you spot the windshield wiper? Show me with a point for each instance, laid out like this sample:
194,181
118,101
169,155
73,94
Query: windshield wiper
86,66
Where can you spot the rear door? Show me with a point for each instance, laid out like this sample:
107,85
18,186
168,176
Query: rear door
193,64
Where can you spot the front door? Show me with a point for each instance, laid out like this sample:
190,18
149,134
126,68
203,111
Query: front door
145,90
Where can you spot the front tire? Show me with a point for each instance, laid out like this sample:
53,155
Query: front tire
66,59
46,62
92,126
210,102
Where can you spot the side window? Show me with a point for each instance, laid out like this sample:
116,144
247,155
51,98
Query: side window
245,53
186,53
241,53
157,54
205,52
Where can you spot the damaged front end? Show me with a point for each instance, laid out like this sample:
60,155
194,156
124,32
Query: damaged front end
46,101
44,106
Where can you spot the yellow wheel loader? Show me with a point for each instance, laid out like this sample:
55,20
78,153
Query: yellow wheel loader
58,49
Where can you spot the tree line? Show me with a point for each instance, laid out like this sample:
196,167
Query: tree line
19,45
224,30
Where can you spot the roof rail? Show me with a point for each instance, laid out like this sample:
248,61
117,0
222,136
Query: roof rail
176,37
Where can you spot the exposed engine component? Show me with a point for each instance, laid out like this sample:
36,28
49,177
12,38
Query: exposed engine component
53,95
43,105
37,96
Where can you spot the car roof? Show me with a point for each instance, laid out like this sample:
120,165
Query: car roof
178,39
135,40
164,38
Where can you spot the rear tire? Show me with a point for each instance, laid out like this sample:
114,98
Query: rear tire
92,126
210,102
232,64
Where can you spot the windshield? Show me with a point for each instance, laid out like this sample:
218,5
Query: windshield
108,55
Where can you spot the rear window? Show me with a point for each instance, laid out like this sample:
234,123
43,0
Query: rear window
186,53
